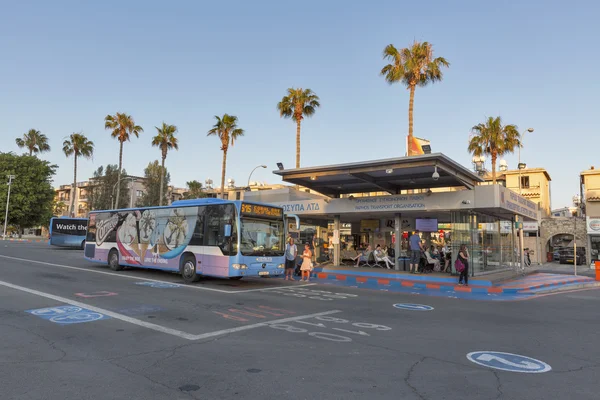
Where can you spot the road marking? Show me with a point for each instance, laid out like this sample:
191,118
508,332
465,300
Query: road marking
102,293
508,362
413,307
266,323
148,279
159,328
112,314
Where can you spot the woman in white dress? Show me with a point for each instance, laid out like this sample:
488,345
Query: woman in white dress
306,266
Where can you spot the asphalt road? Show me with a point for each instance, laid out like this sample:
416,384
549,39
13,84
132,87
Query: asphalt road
152,337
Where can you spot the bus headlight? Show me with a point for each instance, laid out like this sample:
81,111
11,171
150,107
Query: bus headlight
239,266
281,266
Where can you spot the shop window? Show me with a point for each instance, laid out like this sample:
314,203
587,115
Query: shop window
525,182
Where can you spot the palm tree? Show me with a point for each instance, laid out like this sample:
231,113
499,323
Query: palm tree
165,140
34,141
227,131
494,139
77,146
122,126
413,66
297,105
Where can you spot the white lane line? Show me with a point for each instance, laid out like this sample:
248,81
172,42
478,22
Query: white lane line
159,328
147,279
274,288
266,323
109,313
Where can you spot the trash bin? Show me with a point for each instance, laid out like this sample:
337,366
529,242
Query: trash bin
549,256
597,266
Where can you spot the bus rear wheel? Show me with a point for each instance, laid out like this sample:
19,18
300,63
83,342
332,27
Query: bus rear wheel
113,260
188,269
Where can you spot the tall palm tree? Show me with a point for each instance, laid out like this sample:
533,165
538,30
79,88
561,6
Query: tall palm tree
227,131
122,126
165,140
34,141
77,146
494,139
413,66
297,105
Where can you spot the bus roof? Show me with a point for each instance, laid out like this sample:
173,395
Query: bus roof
78,218
183,203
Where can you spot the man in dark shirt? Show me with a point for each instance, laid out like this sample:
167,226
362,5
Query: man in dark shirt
416,246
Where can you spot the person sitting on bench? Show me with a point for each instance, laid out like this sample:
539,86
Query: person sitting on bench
380,256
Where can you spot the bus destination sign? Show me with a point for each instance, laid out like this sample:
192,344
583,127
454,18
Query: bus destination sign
255,210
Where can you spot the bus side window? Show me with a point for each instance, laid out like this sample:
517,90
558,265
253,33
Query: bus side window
198,235
217,216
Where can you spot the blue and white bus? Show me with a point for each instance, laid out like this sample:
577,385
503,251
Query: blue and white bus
68,232
211,237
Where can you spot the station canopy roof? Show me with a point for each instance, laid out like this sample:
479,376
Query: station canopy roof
390,175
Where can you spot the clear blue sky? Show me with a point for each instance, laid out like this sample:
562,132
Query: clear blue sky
66,64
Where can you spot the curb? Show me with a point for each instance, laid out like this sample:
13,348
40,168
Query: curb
448,286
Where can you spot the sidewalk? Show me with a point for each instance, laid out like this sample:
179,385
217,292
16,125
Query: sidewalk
25,238
503,285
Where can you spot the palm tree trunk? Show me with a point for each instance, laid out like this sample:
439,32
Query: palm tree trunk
30,152
494,157
411,104
223,168
162,180
74,187
119,174
298,143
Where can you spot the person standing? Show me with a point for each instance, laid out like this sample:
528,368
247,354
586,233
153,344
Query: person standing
306,266
291,252
463,256
416,247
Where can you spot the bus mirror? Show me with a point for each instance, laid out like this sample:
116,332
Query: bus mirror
228,230
297,220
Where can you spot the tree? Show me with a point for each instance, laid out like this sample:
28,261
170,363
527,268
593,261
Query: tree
165,140
494,139
152,175
103,185
297,105
123,127
58,207
413,66
227,131
194,190
77,146
34,141
31,192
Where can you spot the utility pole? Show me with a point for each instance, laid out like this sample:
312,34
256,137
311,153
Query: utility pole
10,179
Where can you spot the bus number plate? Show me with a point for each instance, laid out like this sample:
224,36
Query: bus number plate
261,273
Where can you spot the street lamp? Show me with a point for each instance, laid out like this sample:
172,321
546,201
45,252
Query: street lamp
521,165
250,176
479,164
131,178
10,178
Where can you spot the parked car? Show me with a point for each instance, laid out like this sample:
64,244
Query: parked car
556,255
567,256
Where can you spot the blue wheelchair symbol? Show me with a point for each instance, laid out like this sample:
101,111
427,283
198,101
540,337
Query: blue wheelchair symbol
413,307
508,362
66,315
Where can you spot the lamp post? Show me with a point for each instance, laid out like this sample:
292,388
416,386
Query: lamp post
10,178
520,167
250,176
479,164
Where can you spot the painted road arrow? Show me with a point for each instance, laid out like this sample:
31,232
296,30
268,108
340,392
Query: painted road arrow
413,307
508,362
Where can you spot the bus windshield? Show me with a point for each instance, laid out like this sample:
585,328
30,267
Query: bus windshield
261,237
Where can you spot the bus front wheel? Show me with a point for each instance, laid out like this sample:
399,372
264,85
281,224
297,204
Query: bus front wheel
188,269
82,247
113,260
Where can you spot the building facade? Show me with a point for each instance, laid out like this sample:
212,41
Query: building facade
590,197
